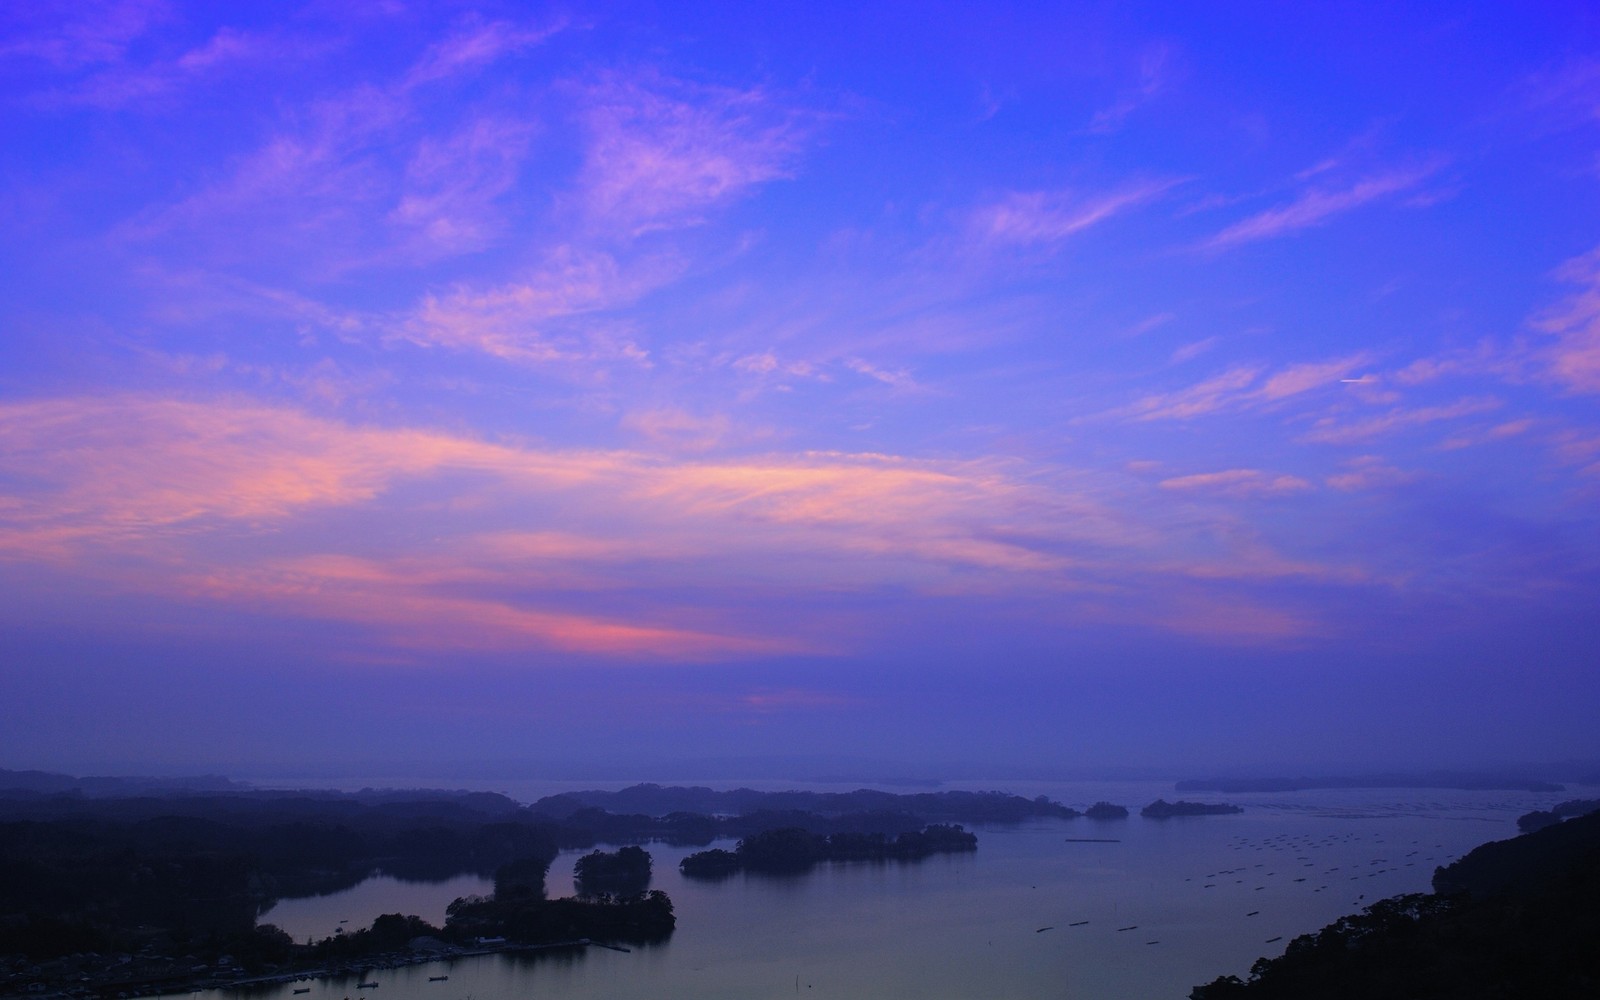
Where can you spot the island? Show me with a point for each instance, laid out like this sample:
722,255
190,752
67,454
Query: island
1162,809
793,849
626,871
1105,810
942,807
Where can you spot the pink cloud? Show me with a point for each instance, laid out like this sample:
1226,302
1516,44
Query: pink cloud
768,363
1028,217
1317,206
1192,350
1369,472
1238,483
1238,621
315,187
352,167
1488,435
1330,431
453,185
227,501
1214,394
678,430
1156,64
662,152
1572,359
474,46
70,35
413,615
1580,449
519,321
1243,387
1296,379
1485,358
896,378
124,83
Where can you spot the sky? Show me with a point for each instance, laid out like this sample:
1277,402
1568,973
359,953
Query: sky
1071,386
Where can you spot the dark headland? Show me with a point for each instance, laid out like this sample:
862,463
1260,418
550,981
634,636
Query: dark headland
1516,918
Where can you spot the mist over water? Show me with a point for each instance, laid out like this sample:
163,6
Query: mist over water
1168,905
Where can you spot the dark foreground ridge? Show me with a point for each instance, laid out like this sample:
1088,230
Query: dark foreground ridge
1514,918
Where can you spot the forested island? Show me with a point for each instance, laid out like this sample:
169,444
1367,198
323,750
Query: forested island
793,849
942,807
1106,810
1162,809
1513,918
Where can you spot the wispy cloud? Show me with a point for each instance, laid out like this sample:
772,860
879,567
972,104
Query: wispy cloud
1243,387
1572,359
1369,472
678,430
1044,217
1315,206
115,482
663,152
1156,69
417,617
519,321
1238,483
125,83
69,35
220,500
474,45
1331,430
1192,350
453,185
1216,393
1502,431
357,177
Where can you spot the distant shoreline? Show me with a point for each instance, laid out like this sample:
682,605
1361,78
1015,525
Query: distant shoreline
1455,783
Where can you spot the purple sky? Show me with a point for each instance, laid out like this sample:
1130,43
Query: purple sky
1076,385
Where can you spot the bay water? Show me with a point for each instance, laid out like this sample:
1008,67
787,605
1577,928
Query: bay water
1115,910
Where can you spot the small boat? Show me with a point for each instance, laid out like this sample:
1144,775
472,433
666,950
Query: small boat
1043,929
1079,923
366,986
1270,940
303,989
437,979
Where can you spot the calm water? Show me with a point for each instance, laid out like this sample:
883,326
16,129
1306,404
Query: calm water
972,926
